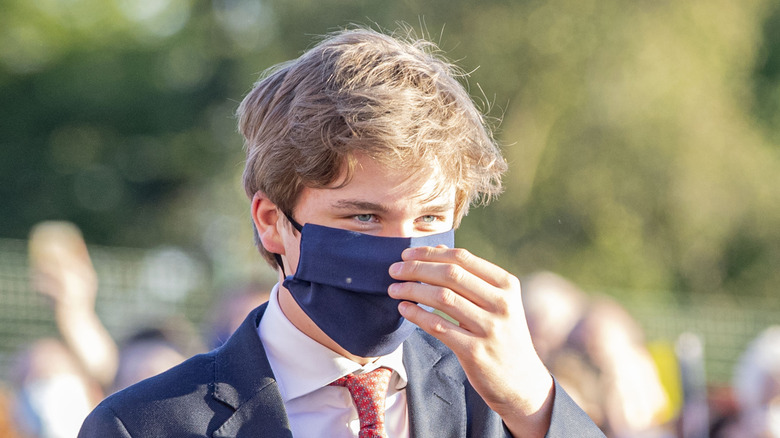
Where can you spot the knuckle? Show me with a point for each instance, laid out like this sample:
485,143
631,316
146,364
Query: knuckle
446,297
461,255
453,272
489,329
434,325
512,282
501,306
473,350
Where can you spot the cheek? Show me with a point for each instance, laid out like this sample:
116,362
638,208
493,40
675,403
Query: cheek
292,252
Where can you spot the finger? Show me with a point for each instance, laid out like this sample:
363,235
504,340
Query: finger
478,266
437,326
467,314
446,275
45,285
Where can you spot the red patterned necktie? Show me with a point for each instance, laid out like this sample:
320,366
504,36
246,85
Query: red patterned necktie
368,391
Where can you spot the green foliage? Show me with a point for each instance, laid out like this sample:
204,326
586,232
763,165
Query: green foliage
637,162
641,136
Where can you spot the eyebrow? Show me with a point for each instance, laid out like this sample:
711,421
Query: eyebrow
354,204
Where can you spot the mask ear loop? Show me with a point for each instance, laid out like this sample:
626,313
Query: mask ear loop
294,223
298,227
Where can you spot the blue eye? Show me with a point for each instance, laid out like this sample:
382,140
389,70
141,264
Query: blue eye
428,219
364,217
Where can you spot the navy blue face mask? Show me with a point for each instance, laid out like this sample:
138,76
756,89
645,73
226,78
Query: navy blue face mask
341,283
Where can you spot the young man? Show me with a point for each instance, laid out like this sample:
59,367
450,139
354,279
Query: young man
362,157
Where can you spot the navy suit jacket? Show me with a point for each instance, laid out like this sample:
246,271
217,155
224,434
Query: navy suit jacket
231,392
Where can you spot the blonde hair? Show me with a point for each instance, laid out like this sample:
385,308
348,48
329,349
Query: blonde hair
391,98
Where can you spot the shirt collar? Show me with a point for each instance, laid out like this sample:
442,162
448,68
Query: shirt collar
302,365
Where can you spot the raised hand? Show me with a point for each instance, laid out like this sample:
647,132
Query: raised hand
491,338
61,269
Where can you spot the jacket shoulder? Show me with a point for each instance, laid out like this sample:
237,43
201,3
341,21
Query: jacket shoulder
178,400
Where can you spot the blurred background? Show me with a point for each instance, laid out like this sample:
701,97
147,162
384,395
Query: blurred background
642,137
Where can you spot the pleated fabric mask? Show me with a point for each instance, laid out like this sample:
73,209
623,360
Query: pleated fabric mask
341,283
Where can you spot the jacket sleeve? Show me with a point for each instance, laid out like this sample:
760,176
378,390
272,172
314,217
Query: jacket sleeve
103,423
569,420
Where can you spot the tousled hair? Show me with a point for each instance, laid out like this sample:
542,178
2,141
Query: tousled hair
391,98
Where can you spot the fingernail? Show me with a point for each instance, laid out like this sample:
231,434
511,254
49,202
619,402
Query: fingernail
393,289
395,268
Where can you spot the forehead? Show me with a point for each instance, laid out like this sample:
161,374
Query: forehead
374,182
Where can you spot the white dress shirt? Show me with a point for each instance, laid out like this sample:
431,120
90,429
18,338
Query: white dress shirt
303,369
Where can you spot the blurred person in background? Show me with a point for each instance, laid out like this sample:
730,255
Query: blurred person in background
8,428
52,393
756,385
232,307
62,270
634,399
553,307
154,348
597,352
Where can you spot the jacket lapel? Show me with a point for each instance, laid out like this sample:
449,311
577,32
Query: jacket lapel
435,393
261,416
244,381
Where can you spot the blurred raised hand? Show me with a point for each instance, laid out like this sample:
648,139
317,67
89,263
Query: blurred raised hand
61,269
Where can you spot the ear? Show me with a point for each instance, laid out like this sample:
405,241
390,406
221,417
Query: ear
265,215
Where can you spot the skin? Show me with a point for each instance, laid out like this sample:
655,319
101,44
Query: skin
491,341
61,269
